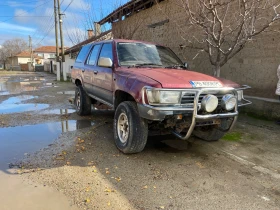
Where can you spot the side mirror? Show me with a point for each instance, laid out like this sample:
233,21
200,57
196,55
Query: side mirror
186,65
105,62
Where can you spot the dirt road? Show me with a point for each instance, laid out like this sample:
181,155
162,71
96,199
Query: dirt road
49,145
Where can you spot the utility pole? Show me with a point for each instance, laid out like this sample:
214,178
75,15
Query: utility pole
56,43
31,51
61,40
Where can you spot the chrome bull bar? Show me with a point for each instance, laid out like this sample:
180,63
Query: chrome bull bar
196,117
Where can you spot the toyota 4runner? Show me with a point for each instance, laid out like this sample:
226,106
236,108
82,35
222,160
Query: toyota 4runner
150,89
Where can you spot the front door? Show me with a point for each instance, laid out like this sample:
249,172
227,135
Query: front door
103,78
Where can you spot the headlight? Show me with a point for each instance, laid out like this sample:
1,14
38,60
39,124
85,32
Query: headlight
228,102
240,95
163,97
209,103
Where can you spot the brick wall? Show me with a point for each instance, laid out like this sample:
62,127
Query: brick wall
255,65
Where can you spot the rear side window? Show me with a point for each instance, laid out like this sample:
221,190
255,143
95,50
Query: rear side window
83,53
93,55
106,51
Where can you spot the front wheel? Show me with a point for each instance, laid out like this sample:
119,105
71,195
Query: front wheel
130,130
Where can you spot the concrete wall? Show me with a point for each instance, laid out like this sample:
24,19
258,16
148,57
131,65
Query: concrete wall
255,66
68,63
23,60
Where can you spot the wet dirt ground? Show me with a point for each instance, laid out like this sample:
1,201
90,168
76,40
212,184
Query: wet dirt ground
47,149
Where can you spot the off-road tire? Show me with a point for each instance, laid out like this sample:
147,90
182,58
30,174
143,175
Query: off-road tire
213,132
138,128
84,107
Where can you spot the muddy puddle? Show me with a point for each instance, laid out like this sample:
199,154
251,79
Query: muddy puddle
15,105
16,85
58,111
16,142
70,92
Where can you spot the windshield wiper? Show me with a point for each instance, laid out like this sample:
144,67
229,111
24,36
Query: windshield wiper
175,66
145,64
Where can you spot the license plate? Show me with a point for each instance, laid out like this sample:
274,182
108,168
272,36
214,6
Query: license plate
199,84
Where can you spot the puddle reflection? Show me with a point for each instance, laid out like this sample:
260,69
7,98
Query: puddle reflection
70,92
16,141
12,105
17,85
58,111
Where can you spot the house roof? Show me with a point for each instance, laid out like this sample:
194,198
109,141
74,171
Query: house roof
128,9
23,54
47,49
26,54
77,47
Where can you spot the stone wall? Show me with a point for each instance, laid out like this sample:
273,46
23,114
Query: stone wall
255,65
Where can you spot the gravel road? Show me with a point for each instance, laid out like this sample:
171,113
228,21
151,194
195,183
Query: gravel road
76,157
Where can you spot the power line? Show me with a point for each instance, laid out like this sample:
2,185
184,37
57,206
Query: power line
24,15
68,5
46,1
46,27
46,34
18,3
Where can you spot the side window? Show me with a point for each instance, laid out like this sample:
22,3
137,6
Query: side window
106,51
83,53
93,55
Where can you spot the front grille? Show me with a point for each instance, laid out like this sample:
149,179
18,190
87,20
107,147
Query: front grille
188,98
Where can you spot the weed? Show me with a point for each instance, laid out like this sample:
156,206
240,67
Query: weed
233,136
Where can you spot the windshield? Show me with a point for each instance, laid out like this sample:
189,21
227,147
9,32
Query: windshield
140,54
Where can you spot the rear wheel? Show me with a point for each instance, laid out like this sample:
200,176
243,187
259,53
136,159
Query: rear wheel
82,101
130,130
213,132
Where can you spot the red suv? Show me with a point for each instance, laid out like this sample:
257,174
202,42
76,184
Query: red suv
150,89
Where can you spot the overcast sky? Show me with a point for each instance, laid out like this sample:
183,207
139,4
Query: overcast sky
20,18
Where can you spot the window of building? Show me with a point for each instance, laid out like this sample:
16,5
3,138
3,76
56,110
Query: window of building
52,55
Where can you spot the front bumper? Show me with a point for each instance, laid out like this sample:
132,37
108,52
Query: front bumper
159,113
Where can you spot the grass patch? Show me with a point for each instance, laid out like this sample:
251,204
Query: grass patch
233,136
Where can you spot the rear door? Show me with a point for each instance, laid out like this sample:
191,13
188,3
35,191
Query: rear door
79,67
90,68
103,78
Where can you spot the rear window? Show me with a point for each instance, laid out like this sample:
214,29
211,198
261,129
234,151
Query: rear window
83,53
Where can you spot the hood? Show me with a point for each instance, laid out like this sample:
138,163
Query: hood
173,78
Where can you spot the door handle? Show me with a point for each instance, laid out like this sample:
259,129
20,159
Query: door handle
95,72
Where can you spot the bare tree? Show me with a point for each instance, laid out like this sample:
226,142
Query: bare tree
90,14
12,47
221,28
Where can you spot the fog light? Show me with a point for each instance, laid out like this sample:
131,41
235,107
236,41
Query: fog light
228,102
209,103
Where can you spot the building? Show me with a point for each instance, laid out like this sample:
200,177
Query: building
46,53
21,61
165,22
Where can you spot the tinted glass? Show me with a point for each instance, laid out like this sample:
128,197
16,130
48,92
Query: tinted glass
83,53
106,51
141,53
93,55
